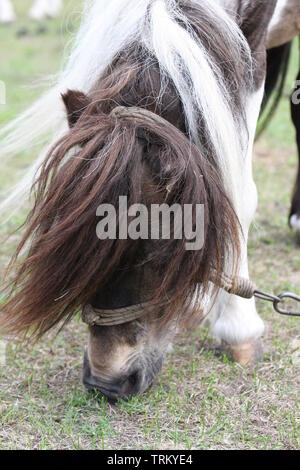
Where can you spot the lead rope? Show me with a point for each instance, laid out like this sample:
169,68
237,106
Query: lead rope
246,289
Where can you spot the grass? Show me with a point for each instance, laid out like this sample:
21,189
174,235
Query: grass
201,400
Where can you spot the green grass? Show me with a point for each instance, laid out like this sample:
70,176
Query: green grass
201,399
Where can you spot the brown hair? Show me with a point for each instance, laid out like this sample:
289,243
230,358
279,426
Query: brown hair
101,158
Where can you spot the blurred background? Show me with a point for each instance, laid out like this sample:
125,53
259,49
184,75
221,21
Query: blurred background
32,49
31,52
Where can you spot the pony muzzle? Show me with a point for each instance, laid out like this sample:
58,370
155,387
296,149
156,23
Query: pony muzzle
135,381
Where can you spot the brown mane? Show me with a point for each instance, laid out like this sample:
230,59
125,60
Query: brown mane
99,159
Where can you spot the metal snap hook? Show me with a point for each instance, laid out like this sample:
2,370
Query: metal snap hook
281,298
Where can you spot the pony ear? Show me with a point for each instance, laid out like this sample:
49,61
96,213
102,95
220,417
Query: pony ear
75,102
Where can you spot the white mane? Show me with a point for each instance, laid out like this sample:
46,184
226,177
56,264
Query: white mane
107,28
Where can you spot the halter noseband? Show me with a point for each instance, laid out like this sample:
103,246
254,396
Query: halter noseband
119,316
99,317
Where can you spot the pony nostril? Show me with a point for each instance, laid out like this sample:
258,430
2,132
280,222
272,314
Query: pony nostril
133,379
133,383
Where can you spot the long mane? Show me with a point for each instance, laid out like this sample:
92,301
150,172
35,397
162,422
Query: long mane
157,56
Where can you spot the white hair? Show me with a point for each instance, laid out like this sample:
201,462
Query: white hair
109,27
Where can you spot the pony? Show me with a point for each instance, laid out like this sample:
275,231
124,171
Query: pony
40,10
285,26
158,102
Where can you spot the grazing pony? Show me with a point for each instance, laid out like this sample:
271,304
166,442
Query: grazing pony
285,26
40,10
162,99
